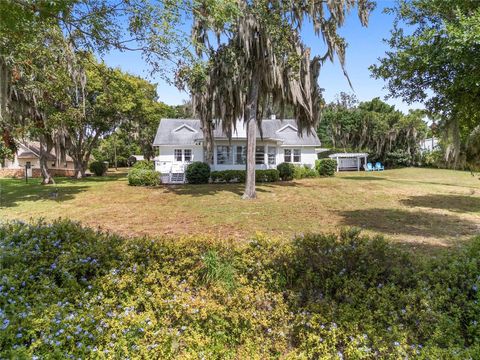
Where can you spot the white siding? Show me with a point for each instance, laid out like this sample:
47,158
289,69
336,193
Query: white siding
308,154
165,159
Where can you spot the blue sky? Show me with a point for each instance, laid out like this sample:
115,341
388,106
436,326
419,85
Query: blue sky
365,46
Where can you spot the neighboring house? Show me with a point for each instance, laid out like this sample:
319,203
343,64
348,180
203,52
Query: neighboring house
429,144
180,142
28,155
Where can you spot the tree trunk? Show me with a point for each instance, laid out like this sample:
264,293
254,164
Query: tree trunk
4,95
208,142
80,167
251,122
43,159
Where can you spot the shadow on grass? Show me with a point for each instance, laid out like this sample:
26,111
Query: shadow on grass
457,203
366,178
412,223
212,189
15,191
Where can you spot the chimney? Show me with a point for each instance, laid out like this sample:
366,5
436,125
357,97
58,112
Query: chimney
273,117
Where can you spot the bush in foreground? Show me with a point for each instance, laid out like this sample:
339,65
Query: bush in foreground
142,177
198,173
326,167
72,292
99,168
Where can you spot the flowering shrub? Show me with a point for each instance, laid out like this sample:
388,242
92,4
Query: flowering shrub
72,292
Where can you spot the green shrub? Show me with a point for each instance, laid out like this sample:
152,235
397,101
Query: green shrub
326,167
239,176
99,168
286,171
73,292
270,175
144,165
122,161
434,159
399,158
143,177
197,173
303,171
228,176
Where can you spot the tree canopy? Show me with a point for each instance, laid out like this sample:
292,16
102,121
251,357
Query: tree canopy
437,63
259,59
372,126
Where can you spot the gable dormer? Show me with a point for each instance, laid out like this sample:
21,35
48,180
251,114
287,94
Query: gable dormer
287,128
184,129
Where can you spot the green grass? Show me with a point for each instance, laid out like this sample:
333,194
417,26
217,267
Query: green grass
414,206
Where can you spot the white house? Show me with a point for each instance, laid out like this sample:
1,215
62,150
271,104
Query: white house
28,156
180,142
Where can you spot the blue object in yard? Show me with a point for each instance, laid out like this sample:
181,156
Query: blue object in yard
369,167
379,166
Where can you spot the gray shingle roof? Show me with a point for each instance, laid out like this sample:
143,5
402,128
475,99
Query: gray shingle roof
33,151
187,131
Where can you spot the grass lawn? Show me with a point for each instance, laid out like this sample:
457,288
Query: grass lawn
420,206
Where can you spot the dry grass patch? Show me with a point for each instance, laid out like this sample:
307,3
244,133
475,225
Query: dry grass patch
421,206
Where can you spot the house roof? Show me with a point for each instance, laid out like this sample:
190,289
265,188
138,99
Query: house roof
188,131
31,150
347,155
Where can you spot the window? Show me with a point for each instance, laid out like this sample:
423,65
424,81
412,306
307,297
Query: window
297,155
241,155
292,155
187,154
177,153
224,155
53,164
260,155
272,153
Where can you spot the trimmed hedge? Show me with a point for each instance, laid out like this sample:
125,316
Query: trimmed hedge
326,167
142,177
197,173
228,176
303,172
73,292
270,175
99,168
239,176
286,171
